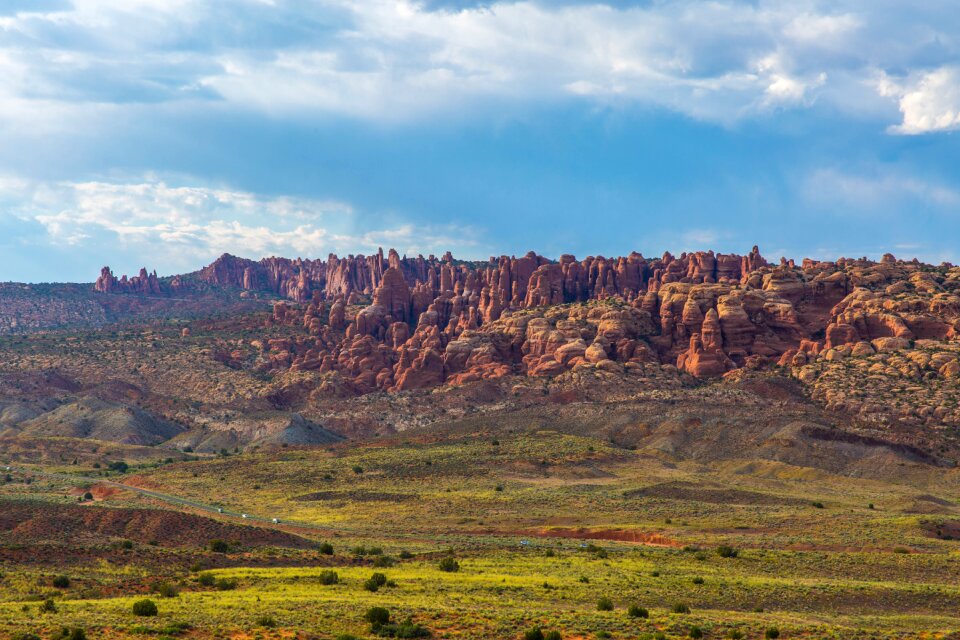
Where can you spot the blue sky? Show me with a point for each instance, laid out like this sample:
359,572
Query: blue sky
165,132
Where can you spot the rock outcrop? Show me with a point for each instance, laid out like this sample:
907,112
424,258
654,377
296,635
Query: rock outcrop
393,323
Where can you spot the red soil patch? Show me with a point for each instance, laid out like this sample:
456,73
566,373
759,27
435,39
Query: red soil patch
620,535
98,491
34,522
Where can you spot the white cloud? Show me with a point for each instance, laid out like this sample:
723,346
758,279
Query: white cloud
878,192
929,101
186,226
397,60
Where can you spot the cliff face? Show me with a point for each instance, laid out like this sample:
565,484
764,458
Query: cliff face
366,323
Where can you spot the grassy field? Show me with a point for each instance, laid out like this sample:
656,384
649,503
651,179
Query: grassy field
544,526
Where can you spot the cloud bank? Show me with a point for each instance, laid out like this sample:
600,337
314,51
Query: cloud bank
398,60
177,228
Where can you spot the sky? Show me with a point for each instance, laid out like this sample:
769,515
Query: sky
163,133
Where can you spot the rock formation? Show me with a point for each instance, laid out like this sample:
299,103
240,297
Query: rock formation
363,323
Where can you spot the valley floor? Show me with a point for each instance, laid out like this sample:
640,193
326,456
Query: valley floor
547,528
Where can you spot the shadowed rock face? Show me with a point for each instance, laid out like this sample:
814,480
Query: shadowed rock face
366,323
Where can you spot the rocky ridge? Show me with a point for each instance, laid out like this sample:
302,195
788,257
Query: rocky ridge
361,324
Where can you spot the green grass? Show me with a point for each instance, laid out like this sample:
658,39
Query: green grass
818,573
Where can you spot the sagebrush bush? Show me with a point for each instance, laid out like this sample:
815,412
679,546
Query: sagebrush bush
61,582
636,611
224,584
376,581
449,565
604,604
207,580
534,634
145,608
680,608
219,546
726,551
326,548
377,616
329,577
266,621
772,633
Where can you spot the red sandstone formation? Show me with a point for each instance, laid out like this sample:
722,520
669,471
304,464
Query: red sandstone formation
364,323
143,283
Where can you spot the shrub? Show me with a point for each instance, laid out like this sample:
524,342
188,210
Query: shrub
376,581
266,621
735,634
26,636
127,544
77,634
326,548
219,546
175,628
329,577
145,608
406,629
375,551
207,580
680,608
449,565
346,636
817,504
383,562
168,590
772,633
604,604
377,617
357,469
726,551
695,632
405,555
61,582
534,634
553,635
48,606
119,466
636,611
698,580
226,585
